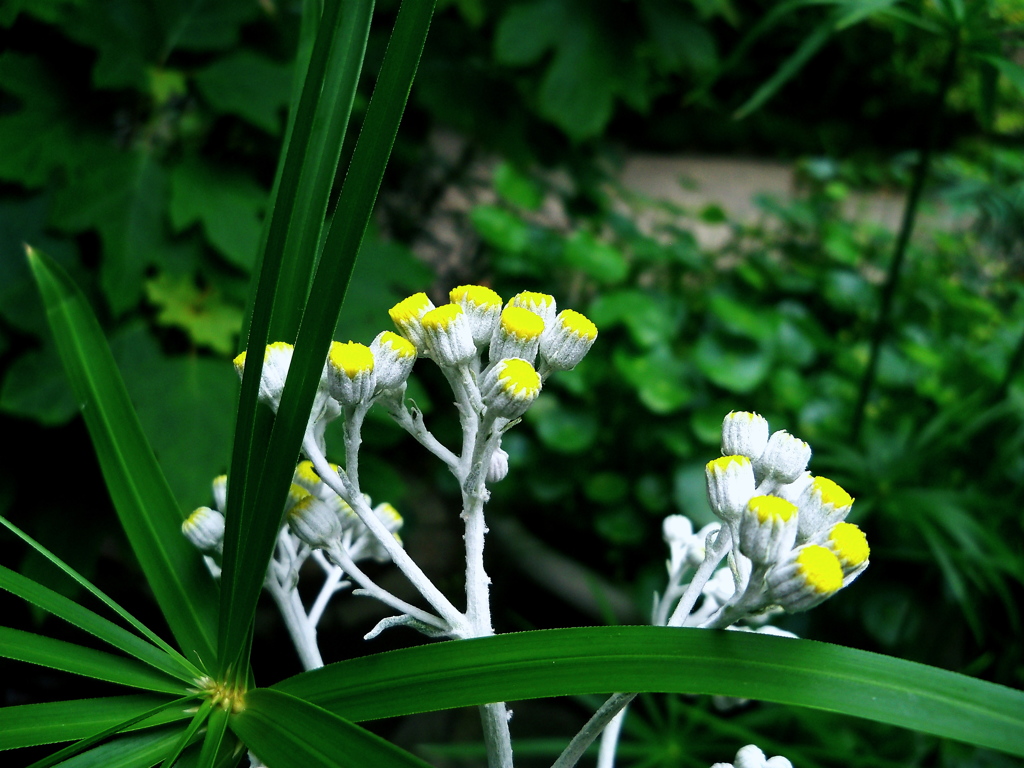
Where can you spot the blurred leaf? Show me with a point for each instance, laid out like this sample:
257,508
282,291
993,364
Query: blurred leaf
689,491
42,136
204,315
527,30
606,487
811,44
562,428
743,318
35,387
500,228
660,378
230,207
736,365
130,37
652,318
45,10
619,525
517,188
680,40
386,272
578,89
595,258
1013,71
185,404
249,85
848,291
122,195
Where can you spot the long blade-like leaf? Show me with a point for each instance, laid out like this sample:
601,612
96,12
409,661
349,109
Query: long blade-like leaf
301,193
68,657
561,662
166,658
143,500
355,205
93,739
96,625
286,732
28,725
139,750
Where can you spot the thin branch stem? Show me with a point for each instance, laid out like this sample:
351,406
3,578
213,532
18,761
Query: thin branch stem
595,725
338,483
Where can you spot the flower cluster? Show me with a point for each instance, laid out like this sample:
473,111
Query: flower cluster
525,341
782,535
787,523
496,356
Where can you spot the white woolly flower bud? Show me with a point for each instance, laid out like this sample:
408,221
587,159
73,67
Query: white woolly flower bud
784,458
314,522
517,335
447,335
744,434
393,357
567,340
822,504
541,304
482,307
767,529
350,373
497,470
807,576
276,359
406,316
510,387
730,481
205,529
220,492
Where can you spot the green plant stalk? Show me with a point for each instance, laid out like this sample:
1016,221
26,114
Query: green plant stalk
921,169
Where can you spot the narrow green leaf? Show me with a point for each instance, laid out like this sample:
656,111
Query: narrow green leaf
199,719
577,661
92,623
144,503
141,750
31,724
217,725
57,654
286,732
162,656
95,738
789,68
1013,71
259,518
300,198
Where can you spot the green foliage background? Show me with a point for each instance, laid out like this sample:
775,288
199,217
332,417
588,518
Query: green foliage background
141,159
